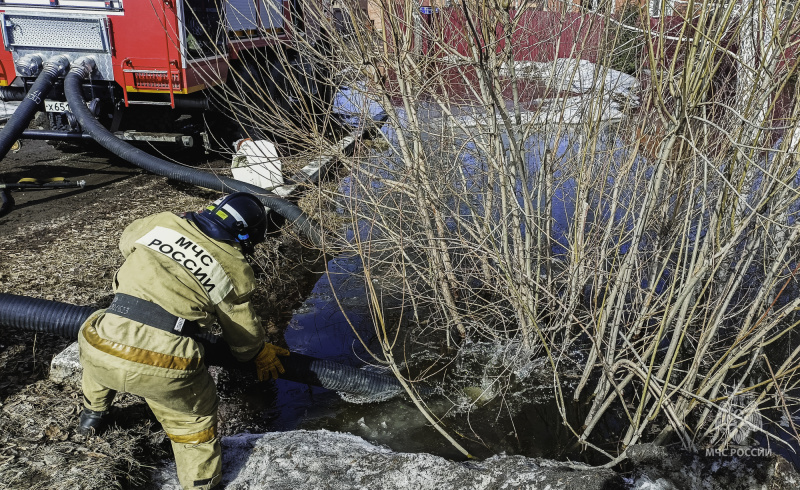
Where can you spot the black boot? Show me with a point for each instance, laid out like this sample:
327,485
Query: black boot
91,422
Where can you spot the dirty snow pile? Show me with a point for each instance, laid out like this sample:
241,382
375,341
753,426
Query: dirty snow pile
300,460
321,459
580,77
580,91
598,92
594,91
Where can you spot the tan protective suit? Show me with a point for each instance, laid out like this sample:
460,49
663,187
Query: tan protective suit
170,262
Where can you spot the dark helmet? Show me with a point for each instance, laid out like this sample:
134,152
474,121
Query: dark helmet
238,218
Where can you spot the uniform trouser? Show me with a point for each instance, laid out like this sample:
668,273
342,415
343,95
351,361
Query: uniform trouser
185,407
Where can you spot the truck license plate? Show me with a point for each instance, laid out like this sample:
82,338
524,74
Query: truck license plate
55,106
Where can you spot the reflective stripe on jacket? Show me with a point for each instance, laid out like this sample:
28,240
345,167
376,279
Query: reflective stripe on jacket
170,262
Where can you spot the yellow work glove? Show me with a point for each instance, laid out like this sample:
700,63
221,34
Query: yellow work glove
267,363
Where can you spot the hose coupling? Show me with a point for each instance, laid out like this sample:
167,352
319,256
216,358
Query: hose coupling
84,66
59,64
29,65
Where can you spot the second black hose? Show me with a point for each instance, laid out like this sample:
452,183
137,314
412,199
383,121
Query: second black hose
22,116
288,210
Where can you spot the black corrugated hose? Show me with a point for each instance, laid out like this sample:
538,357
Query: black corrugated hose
9,93
22,116
41,315
65,320
72,90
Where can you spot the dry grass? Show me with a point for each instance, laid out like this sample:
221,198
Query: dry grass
39,448
73,259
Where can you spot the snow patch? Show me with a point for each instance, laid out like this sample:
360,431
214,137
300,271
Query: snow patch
645,483
337,461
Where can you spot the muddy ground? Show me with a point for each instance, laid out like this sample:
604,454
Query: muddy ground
62,245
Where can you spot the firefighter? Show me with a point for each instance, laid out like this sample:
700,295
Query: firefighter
180,275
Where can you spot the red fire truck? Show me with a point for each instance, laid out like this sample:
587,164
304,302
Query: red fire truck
156,60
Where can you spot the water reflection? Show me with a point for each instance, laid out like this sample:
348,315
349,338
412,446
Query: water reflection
320,328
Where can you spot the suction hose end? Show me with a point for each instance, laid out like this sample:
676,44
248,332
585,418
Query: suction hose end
83,66
29,65
59,64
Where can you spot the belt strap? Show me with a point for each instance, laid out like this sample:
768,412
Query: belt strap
150,314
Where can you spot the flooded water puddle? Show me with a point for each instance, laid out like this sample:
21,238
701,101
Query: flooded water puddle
520,419
323,326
